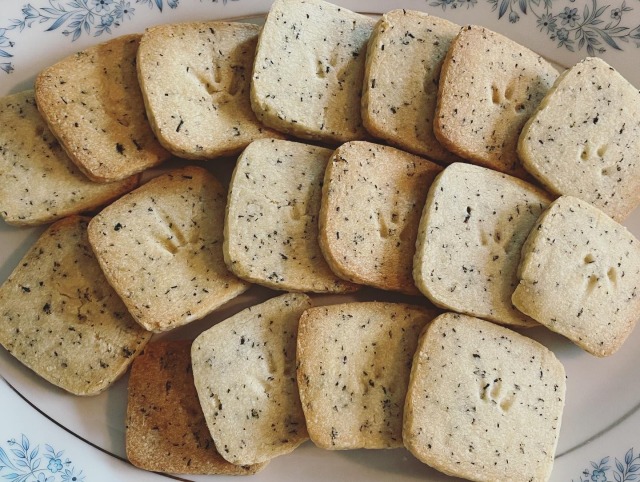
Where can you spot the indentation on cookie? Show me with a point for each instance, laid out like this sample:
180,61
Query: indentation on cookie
589,258
324,66
612,274
592,284
170,235
221,80
494,392
495,94
387,229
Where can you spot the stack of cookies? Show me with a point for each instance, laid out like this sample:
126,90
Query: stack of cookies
447,165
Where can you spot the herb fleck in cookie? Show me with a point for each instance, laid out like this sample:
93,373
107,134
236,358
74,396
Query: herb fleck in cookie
484,403
489,86
584,138
580,276
160,247
473,226
245,374
61,318
92,103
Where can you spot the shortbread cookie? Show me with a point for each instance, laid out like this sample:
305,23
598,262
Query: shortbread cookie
404,58
580,276
160,247
195,79
371,203
166,430
489,86
271,226
584,139
309,68
61,318
484,403
38,182
354,361
473,226
92,103
245,373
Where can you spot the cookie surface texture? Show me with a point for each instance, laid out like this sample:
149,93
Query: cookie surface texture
271,226
245,374
354,361
371,203
584,139
160,247
489,86
38,182
92,103
404,59
195,79
484,402
472,229
580,276
61,318
309,69
166,430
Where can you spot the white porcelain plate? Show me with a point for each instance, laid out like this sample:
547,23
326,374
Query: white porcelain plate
47,435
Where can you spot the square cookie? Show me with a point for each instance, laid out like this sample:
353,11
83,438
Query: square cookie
372,198
195,79
245,374
92,103
309,68
473,226
165,429
489,86
271,225
584,138
160,247
61,318
38,182
484,403
580,276
404,59
353,363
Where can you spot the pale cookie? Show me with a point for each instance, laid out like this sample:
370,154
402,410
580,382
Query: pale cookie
584,139
473,226
165,427
489,86
92,103
309,69
61,318
371,203
160,247
245,373
271,226
484,403
404,58
38,182
580,276
354,361
195,79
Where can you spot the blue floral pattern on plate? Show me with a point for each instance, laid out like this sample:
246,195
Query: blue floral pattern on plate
626,470
75,17
568,27
22,462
